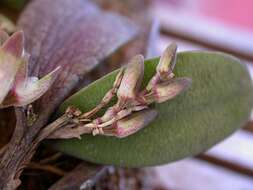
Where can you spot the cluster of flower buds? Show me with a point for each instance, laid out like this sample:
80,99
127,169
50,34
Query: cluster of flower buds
132,111
16,88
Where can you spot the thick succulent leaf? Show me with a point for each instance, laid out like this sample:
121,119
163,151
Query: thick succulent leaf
218,103
75,35
30,90
35,89
15,44
8,68
22,74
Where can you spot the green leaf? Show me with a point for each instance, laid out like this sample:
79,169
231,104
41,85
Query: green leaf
218,103
14,4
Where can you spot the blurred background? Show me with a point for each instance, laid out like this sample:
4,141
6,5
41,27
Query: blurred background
220,25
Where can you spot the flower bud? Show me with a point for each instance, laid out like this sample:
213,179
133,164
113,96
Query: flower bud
168,90
167,62
132,79
131,124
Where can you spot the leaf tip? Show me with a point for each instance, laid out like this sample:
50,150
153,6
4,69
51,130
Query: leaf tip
15,44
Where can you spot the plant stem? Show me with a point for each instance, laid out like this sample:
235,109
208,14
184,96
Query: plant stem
61,121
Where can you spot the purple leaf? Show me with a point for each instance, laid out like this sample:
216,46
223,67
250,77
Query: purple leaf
15,44
75,35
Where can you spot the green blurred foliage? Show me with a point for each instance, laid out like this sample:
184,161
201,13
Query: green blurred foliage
13,4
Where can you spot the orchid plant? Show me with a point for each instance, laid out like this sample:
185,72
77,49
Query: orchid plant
17,88
148,112
131,112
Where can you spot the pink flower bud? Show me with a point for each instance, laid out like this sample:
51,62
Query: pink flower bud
167,62
132,78
131,124
168,90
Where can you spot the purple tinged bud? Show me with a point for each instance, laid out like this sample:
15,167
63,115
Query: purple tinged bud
132,78
131,124
167,62
170,89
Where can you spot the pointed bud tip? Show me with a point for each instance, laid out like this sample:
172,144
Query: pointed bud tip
15,44
56,71
132,78
138,58
172,47
171,89
50,77
167,90
167,62
136,62
134,122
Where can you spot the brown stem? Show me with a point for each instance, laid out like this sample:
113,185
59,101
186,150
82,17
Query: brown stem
22,147
83,173
46,167
45,132
10,158
3,149
51,158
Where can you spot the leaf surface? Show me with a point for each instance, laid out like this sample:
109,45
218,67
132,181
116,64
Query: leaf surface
218,103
